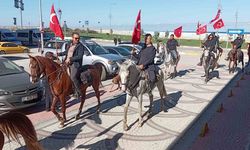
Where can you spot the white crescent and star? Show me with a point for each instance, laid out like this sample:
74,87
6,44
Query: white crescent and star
51,17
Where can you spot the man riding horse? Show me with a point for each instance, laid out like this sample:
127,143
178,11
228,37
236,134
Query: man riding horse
212,44
238,42
74,54
172,47
146,59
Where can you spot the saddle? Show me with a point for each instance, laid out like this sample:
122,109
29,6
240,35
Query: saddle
85,75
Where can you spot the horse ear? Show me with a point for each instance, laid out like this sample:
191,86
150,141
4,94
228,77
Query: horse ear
31,56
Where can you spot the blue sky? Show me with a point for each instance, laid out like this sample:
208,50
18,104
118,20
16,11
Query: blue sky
124,12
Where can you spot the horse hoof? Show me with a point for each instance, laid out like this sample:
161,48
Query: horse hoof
125,127
61,125
77,117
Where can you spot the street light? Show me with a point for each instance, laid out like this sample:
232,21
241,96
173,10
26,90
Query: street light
20,4
110,14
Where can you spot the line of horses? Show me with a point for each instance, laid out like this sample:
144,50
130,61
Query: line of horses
61,87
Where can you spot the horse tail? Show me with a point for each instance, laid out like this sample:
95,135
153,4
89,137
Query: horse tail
12,124
99,68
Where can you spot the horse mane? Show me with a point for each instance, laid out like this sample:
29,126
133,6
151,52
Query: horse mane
45,60
12,124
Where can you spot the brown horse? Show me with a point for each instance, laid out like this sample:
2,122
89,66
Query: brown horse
60,83
13,124
232,61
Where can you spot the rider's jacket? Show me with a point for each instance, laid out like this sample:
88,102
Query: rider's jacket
172,44
238,42
211,44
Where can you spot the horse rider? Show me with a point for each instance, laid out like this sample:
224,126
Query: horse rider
238,42
172,47
211,43
74,54
146,59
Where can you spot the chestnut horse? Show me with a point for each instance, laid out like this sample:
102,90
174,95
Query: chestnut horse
60,83
13,124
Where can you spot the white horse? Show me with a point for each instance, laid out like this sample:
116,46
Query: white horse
135,83
171,62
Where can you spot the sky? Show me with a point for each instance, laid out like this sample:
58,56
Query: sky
158,14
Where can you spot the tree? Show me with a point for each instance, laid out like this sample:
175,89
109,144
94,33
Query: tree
156,35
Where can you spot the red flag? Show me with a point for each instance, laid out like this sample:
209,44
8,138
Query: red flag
54,24
216,17
178,31
201,30
219,24
136,36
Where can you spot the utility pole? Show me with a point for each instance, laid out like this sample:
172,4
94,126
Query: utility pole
236,19
41,25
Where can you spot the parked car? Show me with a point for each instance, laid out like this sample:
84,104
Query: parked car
16,90
54,46
123,52
9,47
157,60
142,44
94,54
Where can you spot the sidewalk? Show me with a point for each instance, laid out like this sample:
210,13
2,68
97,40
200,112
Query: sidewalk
229,130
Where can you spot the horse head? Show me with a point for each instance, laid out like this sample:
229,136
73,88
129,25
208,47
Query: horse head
124,72
36,68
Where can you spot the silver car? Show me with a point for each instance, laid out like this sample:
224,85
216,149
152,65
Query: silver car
16,90
93,54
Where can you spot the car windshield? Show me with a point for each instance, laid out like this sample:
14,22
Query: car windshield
96,49
54,45
9,34
122,51
7,67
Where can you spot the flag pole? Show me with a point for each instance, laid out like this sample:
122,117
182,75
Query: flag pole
41,25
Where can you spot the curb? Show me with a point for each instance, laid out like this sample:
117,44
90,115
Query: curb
186,138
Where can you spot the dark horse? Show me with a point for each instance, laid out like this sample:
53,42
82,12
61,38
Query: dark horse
60,83
235,57
13,124
209,61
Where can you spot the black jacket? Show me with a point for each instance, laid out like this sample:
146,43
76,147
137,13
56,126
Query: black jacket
76,59
238,42
146,58
172,44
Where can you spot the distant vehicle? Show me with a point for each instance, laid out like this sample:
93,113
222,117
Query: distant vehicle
9,48
93,54
158,58
123,52
30,36
20,92
142,44
8,36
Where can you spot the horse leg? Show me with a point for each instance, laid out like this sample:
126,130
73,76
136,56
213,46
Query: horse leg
140,109
81,105
97,93
128,100
63,105
150,95
53,108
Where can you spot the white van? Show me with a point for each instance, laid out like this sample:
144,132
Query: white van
8,36
30,36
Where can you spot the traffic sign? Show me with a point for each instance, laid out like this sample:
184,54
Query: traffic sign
235,31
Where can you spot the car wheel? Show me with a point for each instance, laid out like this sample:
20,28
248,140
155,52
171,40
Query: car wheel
25,51
2,52
104,73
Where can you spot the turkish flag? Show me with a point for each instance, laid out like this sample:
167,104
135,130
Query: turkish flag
201,30
178,31
54,24
136,36
216,17
219,24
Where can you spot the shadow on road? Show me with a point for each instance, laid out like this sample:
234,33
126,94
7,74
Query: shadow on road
184,72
